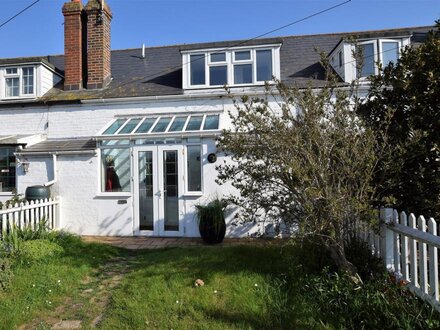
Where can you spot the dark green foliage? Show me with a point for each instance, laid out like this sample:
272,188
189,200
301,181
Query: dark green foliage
39,250
408,93
211,219
376,304
5,273
360,255
305,157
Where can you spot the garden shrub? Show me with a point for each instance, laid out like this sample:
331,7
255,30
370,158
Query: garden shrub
38,250
376,304
359,254
5,273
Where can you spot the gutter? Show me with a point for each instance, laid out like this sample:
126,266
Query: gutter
57,153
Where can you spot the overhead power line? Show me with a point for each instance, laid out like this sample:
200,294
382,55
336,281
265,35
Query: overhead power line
19,13
239,43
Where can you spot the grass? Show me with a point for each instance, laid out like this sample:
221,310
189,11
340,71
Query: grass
245,287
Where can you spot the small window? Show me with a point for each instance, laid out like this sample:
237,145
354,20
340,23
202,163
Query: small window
178,124
194,123
130,126
242,55
390,52
146,125
367,52
7,169
28,80
218,57
197,69
161,125
218,75
340,59
115,170
243,74
12,87
264,65
211,122
115,126
194,168
11,71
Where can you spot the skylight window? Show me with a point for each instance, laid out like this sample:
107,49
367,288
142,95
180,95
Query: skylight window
232,67
160,125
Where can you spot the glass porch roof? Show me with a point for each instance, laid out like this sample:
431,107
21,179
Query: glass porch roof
161,124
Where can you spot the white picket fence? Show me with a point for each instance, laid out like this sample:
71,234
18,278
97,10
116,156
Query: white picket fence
408,246
29,214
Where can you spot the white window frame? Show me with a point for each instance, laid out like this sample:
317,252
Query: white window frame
399,47
18,75
186,170
230,62
375,52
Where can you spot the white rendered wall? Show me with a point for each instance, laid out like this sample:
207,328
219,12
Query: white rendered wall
85,210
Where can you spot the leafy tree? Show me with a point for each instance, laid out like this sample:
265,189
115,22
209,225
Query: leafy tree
302,156
410,91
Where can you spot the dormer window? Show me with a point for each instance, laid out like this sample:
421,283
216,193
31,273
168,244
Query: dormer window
19,81
383,50
232,67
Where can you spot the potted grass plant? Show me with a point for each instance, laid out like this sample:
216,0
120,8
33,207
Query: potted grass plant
212,225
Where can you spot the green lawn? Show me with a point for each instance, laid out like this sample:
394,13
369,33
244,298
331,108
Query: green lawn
246,287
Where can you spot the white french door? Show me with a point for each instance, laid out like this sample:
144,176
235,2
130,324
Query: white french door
158,190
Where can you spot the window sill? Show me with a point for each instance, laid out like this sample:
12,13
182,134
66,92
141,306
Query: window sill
6,193
193,194
114,195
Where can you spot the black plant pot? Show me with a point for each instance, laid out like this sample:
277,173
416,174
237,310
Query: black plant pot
212,231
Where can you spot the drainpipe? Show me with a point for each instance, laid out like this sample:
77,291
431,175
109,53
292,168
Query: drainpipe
54,161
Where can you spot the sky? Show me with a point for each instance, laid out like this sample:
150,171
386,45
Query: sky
39,30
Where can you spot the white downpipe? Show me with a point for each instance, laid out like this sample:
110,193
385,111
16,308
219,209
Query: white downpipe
54,161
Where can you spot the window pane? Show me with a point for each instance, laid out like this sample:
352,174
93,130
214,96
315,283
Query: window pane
115,126
28,80
7,169
241,56
146,125
194,123
218,57
368,60
130,126
116,170
197,69
178,124
218,75
340,59
264,65
194,166
243,74
12,87
162,124
211,122
390,52
11,71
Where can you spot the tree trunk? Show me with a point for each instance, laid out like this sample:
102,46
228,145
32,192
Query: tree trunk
337,254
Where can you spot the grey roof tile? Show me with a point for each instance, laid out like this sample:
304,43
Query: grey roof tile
160,72
62,145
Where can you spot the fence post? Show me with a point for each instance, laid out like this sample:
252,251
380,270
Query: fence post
387,238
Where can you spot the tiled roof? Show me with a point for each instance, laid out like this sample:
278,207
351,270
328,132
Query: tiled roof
62,145
160,72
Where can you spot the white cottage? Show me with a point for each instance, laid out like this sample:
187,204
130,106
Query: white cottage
126,138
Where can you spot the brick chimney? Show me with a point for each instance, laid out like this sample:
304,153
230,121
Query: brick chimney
99,17
73,45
